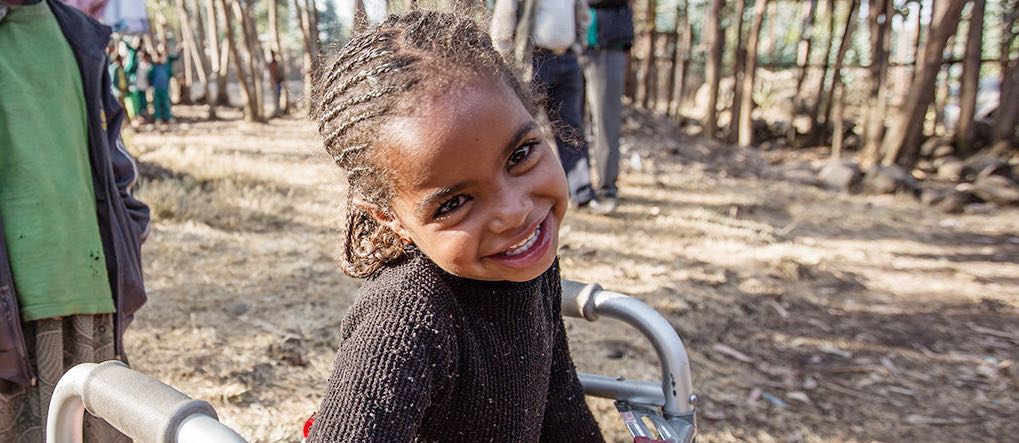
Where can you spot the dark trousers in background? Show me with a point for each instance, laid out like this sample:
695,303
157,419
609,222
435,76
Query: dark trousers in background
604,70
161,105
563,83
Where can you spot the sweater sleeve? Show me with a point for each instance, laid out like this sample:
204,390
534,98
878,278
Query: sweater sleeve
567,417
392,359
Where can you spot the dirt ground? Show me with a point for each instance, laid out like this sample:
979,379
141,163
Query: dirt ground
809,315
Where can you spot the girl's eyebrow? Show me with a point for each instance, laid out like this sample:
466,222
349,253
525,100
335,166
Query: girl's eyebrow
442,194
439,195
519,135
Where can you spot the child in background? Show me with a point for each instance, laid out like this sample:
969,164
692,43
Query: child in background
159,78
139,95
453,214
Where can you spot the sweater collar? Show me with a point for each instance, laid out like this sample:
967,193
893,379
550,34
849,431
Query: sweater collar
470,289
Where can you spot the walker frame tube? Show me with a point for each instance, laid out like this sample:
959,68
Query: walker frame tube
140,406
674,395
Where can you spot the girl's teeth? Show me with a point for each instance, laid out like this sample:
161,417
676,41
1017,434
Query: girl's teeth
524,244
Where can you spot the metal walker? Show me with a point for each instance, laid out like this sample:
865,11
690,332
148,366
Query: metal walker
147,410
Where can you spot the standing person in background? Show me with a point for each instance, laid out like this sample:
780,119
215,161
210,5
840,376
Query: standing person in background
276,79
118,77
140,93
70,230
547,36
159,78
608,39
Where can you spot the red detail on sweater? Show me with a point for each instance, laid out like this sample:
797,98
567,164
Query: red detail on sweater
307,424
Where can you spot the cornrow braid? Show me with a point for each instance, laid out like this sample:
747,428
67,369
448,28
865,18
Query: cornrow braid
374,76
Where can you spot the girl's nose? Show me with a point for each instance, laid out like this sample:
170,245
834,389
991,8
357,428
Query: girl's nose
510,212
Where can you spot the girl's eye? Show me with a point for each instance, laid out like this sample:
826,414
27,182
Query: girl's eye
520,154
450,206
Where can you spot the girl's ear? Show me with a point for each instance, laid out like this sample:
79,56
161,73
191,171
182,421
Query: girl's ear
384,218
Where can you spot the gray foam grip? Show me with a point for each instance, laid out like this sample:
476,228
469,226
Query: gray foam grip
578,299
140,406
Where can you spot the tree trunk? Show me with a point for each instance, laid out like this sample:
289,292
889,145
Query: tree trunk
970,81
1006,119
194,38
196,45
838,125
840,58
740,56
682,58
716,43
647,69
941,90
309,32
185,75
277,48
901,143
880,22
360,16
815,130
746,105
919,35
251,111
256,54
244,10
803,61
212,36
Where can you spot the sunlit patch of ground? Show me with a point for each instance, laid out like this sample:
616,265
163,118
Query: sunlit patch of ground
853,318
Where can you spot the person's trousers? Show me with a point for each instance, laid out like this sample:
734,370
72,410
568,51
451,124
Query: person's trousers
604,71
277,89
139,103
563,83
55,345
161,104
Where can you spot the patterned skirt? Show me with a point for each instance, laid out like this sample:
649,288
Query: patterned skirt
54,346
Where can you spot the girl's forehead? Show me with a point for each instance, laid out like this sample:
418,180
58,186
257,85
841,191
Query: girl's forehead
461,130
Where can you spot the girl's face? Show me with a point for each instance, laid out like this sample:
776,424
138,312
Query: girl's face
479,190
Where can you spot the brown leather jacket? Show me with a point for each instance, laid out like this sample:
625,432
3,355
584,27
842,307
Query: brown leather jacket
123,220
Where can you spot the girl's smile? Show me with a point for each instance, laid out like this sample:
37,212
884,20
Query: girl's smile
477,187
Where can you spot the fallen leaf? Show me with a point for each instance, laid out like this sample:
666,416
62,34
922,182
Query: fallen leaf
728,351
799,396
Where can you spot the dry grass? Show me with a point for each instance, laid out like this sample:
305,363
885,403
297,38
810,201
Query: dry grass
864,318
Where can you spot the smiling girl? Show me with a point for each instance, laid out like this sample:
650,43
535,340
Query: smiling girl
453,216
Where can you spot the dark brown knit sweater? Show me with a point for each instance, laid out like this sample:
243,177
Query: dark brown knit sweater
428,356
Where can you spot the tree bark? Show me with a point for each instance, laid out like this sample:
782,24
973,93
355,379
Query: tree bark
840,57
309,33
277,48
815,130
803,60
739,56
746,105
838,125
716,43
970,80
194,36
251,111
682,57
901,143
185,75
645,92
1006,120
880,22
244,10
360,16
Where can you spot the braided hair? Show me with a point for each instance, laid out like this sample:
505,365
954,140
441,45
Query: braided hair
375,75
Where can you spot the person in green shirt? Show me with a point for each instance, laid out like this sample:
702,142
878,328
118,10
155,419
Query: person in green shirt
56,235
